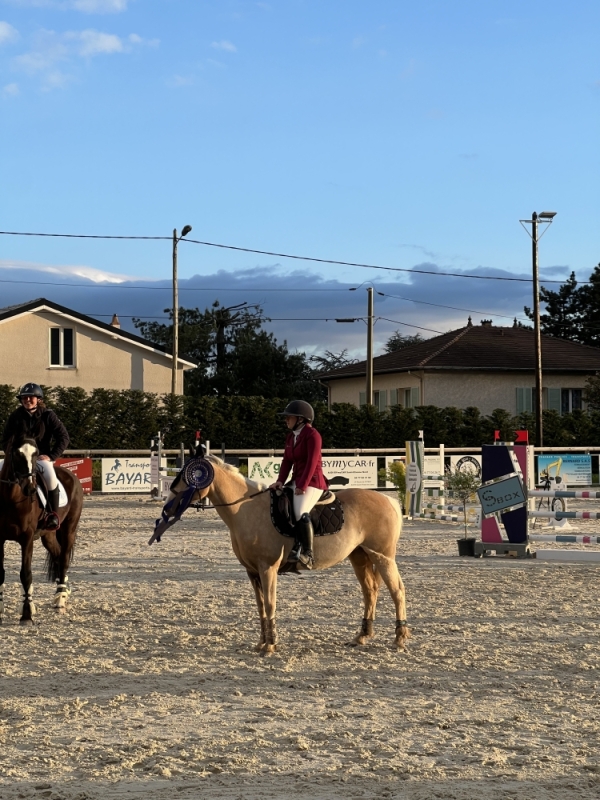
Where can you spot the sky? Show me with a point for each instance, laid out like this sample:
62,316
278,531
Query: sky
401,135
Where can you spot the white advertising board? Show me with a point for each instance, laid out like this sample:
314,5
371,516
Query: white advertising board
127,475
466,463
343,472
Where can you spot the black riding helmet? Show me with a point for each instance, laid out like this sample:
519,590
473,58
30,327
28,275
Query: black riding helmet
31,390
299,408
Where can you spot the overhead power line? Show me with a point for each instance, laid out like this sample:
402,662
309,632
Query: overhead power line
280,255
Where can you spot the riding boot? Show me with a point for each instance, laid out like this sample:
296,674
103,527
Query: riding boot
305,536
52,521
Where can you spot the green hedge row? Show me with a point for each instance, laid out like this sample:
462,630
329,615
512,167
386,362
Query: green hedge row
128,420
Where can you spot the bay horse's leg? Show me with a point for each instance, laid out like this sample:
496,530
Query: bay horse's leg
26,581
370,580
260,602
1,580
268,579
66,542
386,565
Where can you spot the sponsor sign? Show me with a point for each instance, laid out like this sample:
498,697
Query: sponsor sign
343,472
501,495
566,469
81,467
130,475
466,463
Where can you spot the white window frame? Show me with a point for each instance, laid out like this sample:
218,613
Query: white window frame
61,348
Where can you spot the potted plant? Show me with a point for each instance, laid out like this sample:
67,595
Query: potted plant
462,484
396,474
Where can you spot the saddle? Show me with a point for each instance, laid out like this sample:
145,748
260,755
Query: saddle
327,516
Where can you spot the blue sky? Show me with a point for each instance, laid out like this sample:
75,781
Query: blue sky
402,134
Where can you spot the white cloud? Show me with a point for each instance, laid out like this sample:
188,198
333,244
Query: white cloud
80,271
85,6
92,43
100,6
224,45
11,90
49,49
7,33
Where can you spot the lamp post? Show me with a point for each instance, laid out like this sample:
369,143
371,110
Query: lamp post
176,239
545,217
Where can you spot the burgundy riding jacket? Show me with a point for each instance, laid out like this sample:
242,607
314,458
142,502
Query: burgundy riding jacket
304,458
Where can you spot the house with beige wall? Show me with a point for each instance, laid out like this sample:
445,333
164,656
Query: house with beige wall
44,342
483,365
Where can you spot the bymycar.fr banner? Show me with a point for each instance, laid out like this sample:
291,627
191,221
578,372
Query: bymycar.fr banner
343,472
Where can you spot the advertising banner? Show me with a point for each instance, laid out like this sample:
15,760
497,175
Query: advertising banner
126,475
566,469
466,463
342,472
81,467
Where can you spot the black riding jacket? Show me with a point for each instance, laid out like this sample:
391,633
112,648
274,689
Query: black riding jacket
43,425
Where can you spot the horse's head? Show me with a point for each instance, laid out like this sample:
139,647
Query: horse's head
23,455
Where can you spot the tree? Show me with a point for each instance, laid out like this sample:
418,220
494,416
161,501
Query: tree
398,341
330,361
235,356
572,312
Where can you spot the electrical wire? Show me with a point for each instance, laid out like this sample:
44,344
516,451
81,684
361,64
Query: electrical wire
279,255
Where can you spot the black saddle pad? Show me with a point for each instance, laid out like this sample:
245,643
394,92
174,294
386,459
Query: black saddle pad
326,519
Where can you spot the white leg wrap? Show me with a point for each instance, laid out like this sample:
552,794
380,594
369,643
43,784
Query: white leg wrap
29,597
61,595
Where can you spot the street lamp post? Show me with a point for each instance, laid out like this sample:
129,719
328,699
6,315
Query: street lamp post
176,239
544,217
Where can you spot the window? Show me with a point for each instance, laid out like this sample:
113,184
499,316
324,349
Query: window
571,400
525,400
62,351
412,397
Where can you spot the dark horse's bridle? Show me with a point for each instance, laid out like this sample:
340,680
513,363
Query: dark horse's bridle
19,477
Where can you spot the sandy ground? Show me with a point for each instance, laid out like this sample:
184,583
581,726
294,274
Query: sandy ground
150,687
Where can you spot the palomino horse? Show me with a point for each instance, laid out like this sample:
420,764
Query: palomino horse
372,526
20,513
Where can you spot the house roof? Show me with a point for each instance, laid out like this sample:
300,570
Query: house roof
41,304
480,347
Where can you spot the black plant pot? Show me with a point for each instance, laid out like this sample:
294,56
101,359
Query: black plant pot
466,547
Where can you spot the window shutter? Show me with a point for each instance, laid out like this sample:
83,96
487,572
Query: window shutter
415,397
362,398
554,398
524,399
382,399
393,397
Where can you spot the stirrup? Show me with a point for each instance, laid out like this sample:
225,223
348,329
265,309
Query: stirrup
294,555
306,558
52,522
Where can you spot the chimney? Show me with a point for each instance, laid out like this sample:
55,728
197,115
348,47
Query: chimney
115,322
469,323
487,323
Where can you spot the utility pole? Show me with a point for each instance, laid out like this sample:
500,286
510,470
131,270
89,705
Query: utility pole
543,217
369,397
176,239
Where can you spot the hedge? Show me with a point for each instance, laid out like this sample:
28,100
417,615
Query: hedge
128,419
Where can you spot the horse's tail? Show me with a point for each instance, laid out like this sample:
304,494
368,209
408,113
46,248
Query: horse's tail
55,562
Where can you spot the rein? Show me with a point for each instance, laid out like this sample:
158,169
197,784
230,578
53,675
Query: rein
241,500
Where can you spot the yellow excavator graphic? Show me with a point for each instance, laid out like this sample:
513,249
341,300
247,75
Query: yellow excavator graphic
546,477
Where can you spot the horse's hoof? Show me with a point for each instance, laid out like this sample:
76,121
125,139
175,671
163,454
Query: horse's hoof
268,650
61,609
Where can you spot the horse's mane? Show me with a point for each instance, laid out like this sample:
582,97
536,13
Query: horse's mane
230,468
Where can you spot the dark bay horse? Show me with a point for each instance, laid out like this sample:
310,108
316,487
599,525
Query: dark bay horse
372,527
20,513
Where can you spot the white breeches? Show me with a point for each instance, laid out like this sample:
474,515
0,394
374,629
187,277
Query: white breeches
46,468
304,502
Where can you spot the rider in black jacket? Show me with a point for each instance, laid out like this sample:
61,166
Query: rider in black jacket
34,421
